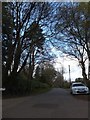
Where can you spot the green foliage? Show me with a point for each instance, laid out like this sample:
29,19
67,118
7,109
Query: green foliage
7,30
45,73
37,84
66,84
16,86
40,90
22,86
58,80
36,35
37,72
88,84
79,80
84,6
48,74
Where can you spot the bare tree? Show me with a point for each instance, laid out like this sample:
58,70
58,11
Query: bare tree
23,36
72,31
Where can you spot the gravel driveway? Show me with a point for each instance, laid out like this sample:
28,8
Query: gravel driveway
57,103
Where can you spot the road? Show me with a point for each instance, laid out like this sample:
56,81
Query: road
0,105
57,103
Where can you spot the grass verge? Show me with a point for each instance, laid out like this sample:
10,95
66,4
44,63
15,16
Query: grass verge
40,91
33,92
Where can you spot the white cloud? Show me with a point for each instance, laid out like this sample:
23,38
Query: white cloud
75,69
63,60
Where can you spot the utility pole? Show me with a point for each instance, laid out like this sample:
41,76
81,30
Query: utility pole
69,74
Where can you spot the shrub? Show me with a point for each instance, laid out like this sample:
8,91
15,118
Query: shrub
17,86
38,84
88,83
22,85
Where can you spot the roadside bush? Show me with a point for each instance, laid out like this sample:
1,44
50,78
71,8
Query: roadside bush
11,85
35,84
44,85
22,85
38,84
88,84
17,86
66,84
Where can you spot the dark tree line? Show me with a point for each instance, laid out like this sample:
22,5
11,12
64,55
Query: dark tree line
23,37
72,29
29,30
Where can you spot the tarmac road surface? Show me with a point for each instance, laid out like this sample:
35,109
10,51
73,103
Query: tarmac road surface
0,105
57,103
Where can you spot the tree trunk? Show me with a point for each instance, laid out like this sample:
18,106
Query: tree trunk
85,79
31,67
89,69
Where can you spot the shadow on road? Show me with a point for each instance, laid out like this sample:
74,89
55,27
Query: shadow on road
82,97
